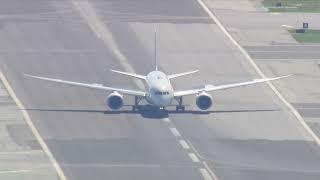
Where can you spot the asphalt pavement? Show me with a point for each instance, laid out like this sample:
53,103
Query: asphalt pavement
248,134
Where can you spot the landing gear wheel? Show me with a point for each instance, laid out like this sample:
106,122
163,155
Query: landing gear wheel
180,108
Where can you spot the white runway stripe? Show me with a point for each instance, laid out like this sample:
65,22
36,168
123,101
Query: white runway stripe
193,157
166,120
184,144
13,172
205,174
175,132
33,128
260,72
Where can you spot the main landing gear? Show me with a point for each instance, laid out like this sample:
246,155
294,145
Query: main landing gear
137,100
180,107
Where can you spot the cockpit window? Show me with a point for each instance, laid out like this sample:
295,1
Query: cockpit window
161,93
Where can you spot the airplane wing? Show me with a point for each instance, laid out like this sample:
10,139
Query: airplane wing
130,74
92,86
209,88
181,74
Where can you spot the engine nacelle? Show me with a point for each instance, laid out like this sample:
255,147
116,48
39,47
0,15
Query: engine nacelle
115,101
204,101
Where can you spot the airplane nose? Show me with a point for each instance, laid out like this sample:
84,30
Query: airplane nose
164,101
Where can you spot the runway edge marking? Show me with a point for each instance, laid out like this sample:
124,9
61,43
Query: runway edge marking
32,127
259,71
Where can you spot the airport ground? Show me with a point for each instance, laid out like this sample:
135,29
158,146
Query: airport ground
251,133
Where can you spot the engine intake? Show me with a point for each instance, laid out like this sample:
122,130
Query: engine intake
204,101
115,101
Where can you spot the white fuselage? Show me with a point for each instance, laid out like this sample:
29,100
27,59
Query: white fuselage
160,91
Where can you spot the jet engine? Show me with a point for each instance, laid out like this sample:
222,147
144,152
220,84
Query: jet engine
115,101
204,101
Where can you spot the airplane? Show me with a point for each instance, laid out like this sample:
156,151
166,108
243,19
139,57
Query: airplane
159,91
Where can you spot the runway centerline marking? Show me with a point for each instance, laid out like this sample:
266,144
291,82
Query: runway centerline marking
166,120
193,154
175,132
97,26
193,157
184,144
33,128
210,171
205,174
259,71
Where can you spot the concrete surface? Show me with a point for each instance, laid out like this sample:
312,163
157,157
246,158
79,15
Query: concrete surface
279,56
20,156
249,134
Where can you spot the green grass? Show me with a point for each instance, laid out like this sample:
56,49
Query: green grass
310,36
293,5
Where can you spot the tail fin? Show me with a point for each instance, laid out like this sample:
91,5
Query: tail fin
129,74
181,74
155,48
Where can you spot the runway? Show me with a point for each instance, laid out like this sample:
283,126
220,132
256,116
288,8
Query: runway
249,134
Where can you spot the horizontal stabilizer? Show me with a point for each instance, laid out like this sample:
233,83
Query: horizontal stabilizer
181,74
129,74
